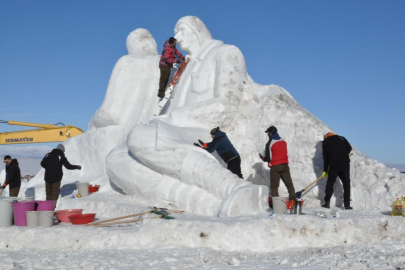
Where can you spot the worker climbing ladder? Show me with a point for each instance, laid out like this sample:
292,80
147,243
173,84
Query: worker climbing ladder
169,90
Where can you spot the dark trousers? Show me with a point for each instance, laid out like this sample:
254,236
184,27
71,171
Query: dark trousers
281,171
343,171
13,192
164,78
234,167
52,191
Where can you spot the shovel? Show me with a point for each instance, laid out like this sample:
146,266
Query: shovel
299,193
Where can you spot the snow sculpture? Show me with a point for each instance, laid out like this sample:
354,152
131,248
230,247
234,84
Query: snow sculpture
208,94
154,159
128,102
215,90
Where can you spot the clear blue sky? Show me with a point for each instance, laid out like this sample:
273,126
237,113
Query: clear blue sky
342,60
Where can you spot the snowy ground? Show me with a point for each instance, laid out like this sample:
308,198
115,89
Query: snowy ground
355,240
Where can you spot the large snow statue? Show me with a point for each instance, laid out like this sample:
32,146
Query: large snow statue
128,102
159,161
208,94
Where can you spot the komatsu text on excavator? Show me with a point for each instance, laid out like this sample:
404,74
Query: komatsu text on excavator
45,133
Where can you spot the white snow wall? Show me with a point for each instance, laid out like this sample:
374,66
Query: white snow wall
133,86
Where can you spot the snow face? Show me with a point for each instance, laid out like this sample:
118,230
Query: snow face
154,158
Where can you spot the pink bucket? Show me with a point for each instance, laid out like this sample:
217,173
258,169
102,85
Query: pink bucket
20,217
45,205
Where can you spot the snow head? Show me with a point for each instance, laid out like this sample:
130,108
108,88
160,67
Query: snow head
191,33
140,41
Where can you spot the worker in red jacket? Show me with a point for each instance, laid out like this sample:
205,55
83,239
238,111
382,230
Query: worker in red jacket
277,157
167,59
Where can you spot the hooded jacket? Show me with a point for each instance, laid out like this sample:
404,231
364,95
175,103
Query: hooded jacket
336,150
223,146
169,54
276,152
13,174
52,163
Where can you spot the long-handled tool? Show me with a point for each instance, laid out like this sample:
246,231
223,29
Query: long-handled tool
159,211
299,193
162,214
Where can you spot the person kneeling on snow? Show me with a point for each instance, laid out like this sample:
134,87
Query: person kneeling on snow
276,156
225,149
52,163
336,162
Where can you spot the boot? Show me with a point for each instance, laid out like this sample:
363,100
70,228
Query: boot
326,205
348,207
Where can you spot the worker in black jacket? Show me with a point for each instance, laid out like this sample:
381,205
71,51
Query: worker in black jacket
336,161
52,163
13,176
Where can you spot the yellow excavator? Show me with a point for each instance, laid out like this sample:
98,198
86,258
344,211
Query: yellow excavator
45,133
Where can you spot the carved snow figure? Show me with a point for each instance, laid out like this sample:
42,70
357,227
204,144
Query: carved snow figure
132,75
207,94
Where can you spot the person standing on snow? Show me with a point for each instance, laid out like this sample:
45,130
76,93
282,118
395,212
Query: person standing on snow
225,149
52,163
276,156
336,162
13,176
167,59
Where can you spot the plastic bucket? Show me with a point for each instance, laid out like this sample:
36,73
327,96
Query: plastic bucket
46,218
93,188
63,215
279,205
83,189
298,207
32,218
20,217
45,205
6,213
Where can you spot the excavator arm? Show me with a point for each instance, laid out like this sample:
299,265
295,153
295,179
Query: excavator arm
45,133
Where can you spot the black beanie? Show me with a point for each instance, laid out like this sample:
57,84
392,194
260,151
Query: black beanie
214,131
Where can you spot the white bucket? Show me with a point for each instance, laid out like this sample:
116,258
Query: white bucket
83,189
32,218
279,205
6,213
46,218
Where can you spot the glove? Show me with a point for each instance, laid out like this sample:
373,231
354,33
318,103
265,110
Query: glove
3,187
261,157
79,167
201,142
179,61
187,58
196,144
324,174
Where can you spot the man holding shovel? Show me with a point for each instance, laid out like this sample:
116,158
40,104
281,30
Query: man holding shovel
336,162
277,157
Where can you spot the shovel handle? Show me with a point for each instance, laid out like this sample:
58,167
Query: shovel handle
316,181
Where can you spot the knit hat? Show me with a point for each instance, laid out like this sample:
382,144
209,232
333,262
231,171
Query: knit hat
214,131
61,147
271,129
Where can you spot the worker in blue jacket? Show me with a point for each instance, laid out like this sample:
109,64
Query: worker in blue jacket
225,149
